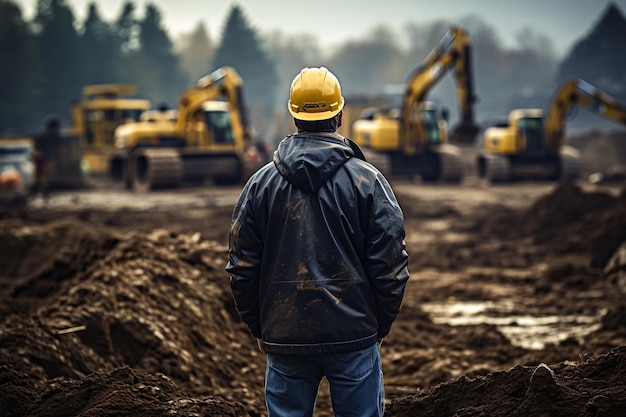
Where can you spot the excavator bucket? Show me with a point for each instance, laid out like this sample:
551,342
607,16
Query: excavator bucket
464,134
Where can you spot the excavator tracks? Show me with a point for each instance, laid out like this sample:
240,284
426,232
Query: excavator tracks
494,168
440,163
566,166
450,165
153,168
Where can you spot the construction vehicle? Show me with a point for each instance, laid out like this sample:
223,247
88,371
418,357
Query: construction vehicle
530,146
415,136
358,107
101,109
207,138
17,170
87,146
55,153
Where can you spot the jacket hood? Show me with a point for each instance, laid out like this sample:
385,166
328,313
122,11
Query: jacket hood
307,160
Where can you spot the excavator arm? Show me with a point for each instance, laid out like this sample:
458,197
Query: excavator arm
452,53
579,92
222,84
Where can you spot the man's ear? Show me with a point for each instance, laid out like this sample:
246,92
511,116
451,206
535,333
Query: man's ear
339,119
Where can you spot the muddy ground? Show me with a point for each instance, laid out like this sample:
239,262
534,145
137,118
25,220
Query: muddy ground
113,303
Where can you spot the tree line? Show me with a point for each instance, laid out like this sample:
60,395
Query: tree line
46,61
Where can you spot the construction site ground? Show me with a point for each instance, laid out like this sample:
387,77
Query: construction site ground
116,303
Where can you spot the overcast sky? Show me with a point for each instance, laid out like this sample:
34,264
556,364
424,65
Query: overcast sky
333,21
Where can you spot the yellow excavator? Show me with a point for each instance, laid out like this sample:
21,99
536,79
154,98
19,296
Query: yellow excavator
96,115
531,146
415,136
208,137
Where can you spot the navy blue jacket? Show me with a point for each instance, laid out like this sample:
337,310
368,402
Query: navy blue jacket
317,259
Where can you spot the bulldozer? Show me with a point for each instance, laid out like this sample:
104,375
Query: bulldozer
531,146
207,138
415,137
96,115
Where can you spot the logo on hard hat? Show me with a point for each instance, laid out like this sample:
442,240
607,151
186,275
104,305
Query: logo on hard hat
308,106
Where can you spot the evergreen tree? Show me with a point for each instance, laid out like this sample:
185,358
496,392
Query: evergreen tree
60,56
101,49
126,28
162,79
599,58
241,49
196,51
18,70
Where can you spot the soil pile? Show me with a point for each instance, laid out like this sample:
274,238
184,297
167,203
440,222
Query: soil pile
593,388
150,314
103,320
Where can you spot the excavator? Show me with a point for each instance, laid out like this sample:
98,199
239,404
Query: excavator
415,136
531,146
208,137
95,116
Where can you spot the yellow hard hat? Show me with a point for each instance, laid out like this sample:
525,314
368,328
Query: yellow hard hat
315,95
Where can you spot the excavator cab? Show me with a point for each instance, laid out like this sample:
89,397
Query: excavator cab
101,109
218,123
531,133
434,131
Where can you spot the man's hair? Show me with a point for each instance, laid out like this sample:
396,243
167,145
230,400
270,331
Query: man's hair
328,125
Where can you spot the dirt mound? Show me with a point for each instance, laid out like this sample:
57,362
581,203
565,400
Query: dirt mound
567,204
156,302
592,388
567,220
101,317
601,151
123,391
572,220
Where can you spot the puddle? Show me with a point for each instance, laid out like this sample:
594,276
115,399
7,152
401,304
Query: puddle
526,331
435,231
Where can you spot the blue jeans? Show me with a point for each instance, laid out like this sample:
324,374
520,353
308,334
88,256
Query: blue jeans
355,380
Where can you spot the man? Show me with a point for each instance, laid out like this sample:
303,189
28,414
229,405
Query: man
317,261
45,144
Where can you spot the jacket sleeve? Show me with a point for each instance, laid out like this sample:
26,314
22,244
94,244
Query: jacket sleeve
386,256
244,260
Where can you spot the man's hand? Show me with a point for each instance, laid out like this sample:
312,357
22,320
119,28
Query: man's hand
259,343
